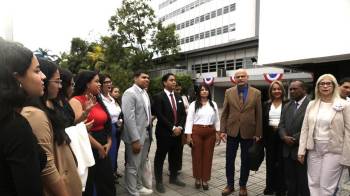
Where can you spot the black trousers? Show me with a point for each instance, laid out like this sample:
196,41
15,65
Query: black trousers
101,174
296,177
274,162
171,146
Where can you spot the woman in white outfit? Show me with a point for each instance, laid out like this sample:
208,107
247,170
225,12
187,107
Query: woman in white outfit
325,136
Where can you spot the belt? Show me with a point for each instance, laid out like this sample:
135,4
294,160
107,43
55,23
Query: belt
204,126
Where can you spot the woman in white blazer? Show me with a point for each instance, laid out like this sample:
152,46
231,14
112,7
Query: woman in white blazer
325,136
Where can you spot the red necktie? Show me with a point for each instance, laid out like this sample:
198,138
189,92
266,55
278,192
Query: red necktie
174,108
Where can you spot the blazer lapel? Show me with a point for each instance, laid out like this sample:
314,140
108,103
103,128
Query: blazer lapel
235,97
248,98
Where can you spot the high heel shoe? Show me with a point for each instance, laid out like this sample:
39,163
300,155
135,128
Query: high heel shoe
205,186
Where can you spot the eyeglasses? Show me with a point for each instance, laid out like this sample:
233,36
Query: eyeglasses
325,84
107,82
56,81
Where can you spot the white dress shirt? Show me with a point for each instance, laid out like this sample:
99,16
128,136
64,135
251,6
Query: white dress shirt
205,115
112,108
169,97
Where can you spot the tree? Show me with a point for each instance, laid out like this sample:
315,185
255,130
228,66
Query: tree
166,42
133,24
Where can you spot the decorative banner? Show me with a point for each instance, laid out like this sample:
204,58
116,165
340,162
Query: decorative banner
270,77
232,78
209,81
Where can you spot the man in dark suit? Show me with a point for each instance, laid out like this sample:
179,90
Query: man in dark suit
241,123
289,129
170,112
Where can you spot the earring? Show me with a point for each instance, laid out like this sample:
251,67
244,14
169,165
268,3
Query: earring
20,85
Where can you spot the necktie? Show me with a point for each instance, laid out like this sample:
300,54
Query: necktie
241,101
174,107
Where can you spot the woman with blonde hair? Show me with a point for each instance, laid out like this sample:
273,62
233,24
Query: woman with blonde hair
325,137
272,109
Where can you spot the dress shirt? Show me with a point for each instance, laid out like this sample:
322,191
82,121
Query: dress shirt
323,121
300,102
168,95
146,101
275,115
243,90
205,115
112,108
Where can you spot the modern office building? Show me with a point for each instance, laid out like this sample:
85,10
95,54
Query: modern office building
218,37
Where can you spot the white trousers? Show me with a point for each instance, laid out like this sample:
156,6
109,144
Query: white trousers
323,170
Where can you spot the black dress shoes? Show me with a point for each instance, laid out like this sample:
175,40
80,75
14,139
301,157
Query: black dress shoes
177,182
160,188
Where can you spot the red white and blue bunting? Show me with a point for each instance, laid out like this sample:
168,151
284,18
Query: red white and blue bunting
270,77
232,78
209,81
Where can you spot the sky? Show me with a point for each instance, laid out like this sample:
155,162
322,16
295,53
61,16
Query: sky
51,24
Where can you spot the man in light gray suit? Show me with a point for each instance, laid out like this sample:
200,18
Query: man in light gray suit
137,134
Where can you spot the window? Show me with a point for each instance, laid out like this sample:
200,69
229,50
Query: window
213,14
192,6
202,18
212,67
196,20
187,23
219,12
213,32
205,68
230,65
182,25
201,35
178,26
221,65
232,27
192,22
239,63
182,41
207,16
219,31
232,7
196,37
187,40
226,9
207,34
225,29
197,68
191,38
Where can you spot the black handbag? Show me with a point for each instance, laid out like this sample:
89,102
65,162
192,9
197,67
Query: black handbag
256,155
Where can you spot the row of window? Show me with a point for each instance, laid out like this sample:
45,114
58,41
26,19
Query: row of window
214,66
184,9
207,16
210,33
166,3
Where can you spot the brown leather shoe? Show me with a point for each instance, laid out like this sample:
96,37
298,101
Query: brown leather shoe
243,191
227,191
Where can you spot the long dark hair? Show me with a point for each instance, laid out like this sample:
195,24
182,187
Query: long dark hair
58,123
198,103
14,58
81,82
66,77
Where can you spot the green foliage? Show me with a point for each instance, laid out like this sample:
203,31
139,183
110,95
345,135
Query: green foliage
185,80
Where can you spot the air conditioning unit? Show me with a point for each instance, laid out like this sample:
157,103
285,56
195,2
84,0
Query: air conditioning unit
221,72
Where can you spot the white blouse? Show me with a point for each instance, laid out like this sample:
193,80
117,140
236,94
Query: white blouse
112,108
205,115
323,121
275,115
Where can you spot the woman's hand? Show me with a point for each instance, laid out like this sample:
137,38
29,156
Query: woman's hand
101,151
89,124
218,139
301,158
189,139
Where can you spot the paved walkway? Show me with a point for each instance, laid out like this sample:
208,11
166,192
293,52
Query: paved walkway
255,186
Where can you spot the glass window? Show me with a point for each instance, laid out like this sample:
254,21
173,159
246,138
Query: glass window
178,26
213,14
201,35
192,22
226,9
196,37
232,7
207,16
196,20
187,40
187,23
219,12
225,29
230,65
205,68
182,41
213,32
239,63
191,38
207,34
232,27
221,65
197,68
212,67
182,25
202,18
219,31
